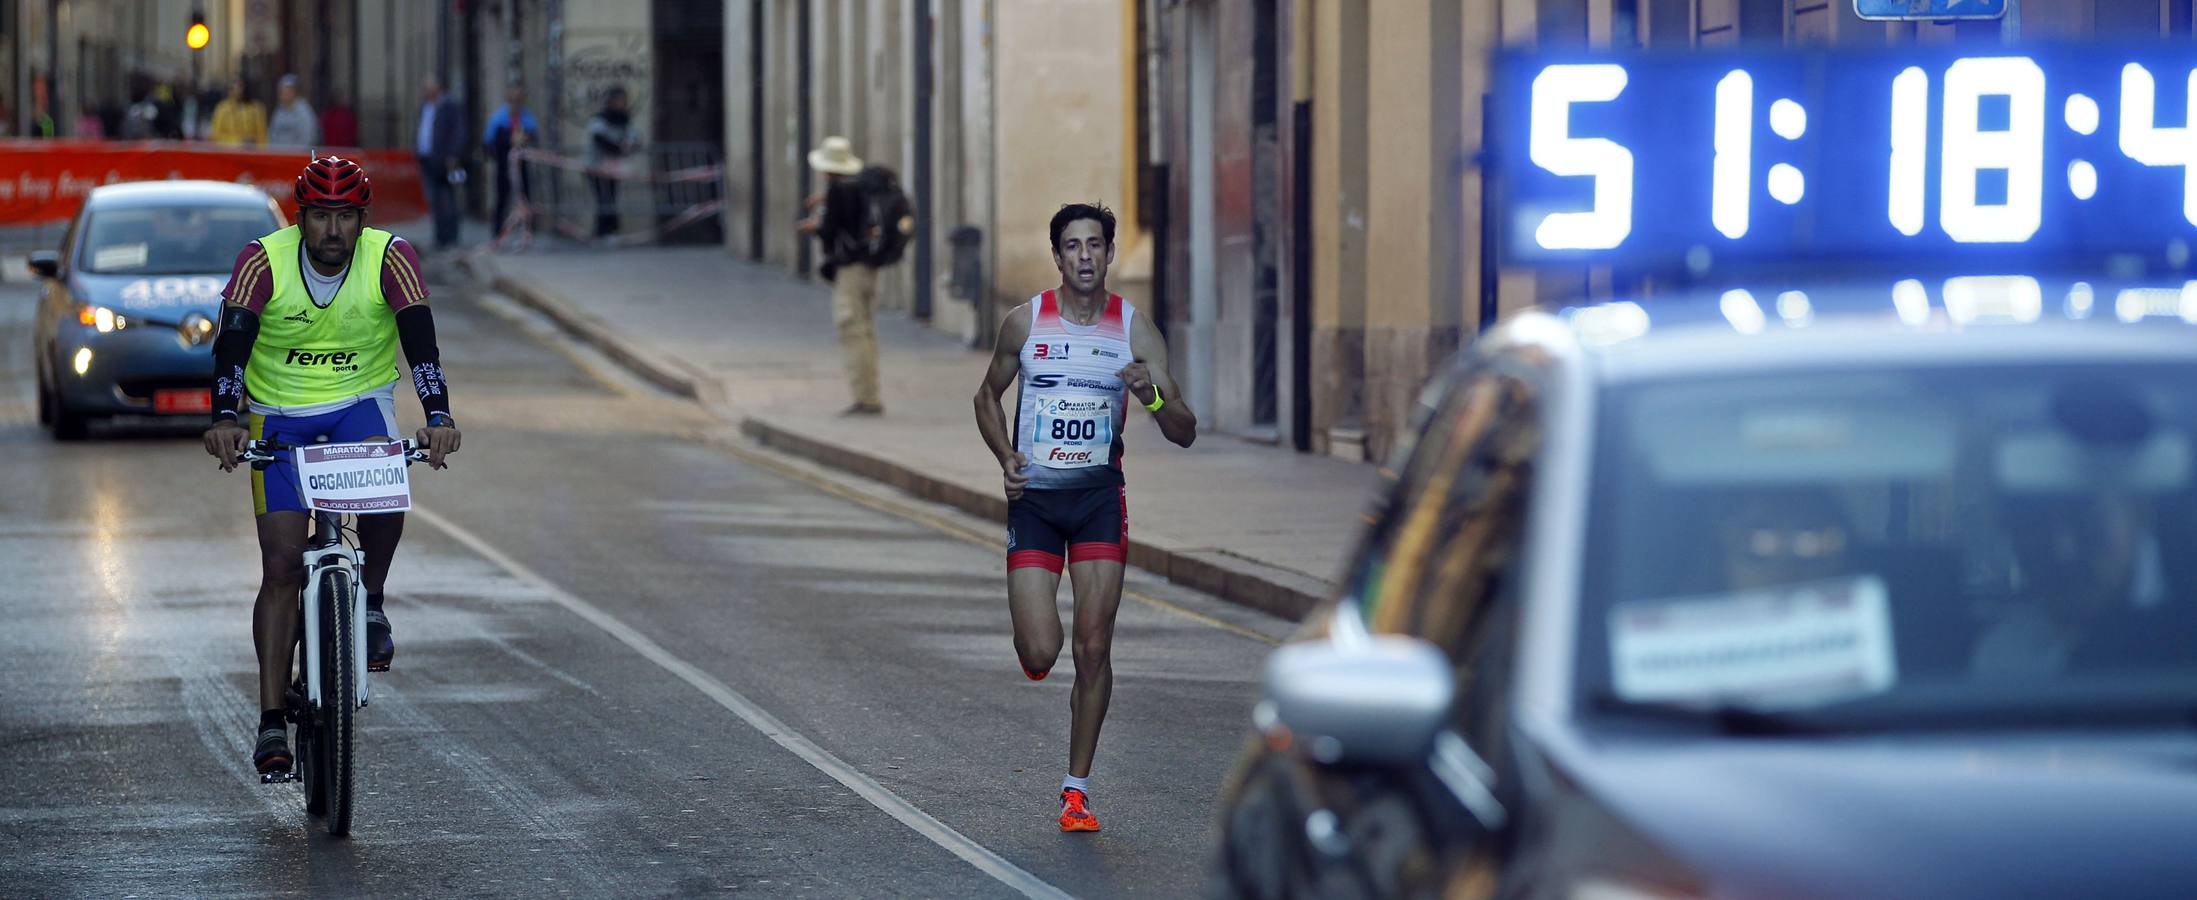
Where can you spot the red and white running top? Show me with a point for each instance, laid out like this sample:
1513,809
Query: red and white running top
1073,402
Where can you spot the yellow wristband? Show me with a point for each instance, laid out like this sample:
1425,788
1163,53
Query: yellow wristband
1157,400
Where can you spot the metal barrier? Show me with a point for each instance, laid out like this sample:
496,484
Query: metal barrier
684,183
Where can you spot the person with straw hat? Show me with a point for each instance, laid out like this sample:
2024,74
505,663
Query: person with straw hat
837,219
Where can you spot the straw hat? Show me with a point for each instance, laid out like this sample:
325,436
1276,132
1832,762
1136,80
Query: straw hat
835,156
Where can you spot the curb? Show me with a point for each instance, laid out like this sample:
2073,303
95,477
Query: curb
670,376
1237,580
1245,582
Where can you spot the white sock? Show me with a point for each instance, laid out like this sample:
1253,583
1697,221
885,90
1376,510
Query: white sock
1081,784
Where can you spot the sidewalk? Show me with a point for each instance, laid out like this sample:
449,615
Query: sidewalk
1261,526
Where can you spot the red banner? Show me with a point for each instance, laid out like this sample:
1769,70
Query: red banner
45,181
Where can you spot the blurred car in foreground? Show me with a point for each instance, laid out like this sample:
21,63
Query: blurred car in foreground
1879,593
126,322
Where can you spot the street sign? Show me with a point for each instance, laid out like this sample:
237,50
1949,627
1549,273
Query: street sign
1930,10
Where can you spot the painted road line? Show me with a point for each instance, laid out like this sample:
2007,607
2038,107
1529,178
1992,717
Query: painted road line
755,716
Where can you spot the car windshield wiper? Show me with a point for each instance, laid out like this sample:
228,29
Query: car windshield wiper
1957,706
1724,715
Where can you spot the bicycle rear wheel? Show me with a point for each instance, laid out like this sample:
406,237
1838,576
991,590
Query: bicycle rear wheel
339,698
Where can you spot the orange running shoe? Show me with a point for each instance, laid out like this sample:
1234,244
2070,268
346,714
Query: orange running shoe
1075,812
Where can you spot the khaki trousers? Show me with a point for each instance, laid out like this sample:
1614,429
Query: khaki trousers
854,307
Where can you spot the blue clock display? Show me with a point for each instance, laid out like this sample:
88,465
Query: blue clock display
2009,154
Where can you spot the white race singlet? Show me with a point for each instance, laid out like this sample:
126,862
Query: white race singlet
1073,402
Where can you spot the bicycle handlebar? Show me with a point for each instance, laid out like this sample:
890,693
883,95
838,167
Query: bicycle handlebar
260,453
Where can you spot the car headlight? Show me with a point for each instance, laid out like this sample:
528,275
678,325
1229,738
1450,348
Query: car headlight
196,328
102,318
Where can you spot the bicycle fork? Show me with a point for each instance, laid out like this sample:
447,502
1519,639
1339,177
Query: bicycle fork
327,556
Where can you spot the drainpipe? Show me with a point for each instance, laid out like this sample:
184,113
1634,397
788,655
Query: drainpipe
1155,156
925,243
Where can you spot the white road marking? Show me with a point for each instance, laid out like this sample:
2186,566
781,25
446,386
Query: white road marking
755,716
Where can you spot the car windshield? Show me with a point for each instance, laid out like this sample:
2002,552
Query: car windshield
169,240
1931,540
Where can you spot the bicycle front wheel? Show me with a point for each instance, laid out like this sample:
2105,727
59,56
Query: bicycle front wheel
339,697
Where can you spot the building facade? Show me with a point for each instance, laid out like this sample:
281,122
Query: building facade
1325,163
1299,181
992,114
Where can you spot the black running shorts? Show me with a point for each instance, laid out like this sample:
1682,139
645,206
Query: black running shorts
1045,528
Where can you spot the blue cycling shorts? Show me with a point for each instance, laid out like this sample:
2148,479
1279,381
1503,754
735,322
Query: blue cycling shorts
276,488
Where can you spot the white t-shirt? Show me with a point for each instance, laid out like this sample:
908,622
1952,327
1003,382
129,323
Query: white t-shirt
322,287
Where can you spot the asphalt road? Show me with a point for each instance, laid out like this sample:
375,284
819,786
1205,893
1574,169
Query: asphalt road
634,659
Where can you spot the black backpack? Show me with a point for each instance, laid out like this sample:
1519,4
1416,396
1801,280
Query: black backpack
888,219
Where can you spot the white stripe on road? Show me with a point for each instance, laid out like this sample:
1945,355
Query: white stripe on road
891,804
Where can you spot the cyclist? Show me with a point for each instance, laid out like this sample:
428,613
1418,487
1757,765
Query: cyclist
307,353
1082,355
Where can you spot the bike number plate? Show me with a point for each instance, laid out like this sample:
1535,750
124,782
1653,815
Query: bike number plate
354,478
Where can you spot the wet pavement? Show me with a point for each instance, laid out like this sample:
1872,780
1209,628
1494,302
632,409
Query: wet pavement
631,663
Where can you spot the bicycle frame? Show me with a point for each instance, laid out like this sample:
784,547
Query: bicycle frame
326,554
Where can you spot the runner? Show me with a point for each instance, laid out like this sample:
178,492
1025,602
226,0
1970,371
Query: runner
1081,355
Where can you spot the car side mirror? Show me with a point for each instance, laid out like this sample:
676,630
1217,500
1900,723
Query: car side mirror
1381,700
45,263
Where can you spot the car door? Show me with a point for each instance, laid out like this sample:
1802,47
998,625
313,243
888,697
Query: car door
1438,563
55,309
1446,571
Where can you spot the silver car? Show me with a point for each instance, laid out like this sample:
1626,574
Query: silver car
1863,592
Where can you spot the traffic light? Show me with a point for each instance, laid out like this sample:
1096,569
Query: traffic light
198,34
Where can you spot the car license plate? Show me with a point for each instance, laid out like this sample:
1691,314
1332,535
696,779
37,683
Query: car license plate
184,401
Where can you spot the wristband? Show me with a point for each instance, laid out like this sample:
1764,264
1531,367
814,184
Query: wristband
441,420
1157,400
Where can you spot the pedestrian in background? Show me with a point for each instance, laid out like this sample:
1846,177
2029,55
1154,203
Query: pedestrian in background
610,138
167,116
509,127
440,144
42,125
838,219
141,120
91,125
294,124
339,124
209,99
239,120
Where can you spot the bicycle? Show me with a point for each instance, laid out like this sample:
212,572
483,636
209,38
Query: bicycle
329,687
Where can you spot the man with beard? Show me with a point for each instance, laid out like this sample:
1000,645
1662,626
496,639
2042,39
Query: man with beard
314,315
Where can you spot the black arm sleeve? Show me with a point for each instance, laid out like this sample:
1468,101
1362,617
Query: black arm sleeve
416,330
232,349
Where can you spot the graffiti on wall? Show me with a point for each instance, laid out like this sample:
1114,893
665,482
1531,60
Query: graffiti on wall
594,63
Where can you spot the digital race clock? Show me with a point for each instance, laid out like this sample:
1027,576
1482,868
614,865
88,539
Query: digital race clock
2023,155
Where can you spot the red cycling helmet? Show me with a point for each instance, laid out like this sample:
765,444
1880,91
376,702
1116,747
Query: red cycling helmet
333,182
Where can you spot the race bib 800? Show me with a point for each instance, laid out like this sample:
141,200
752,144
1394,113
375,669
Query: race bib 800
1073,433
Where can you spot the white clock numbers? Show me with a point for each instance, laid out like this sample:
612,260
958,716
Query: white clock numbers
1728,170
1552,147
2146,143
2019,150
1965,150
1910,139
